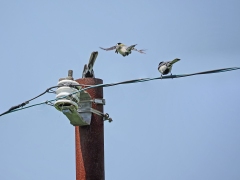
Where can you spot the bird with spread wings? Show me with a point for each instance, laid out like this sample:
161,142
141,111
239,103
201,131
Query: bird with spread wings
123,49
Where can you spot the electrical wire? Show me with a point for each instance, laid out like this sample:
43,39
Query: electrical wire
49,90
26,102
15,108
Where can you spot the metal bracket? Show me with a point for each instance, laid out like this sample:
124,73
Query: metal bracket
75,118
85,108
95,101
99,101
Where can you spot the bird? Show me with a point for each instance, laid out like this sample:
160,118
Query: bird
166,67
88,68
123,49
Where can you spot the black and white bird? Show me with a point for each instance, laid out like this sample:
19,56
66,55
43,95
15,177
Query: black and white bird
88,68
166,67
123,49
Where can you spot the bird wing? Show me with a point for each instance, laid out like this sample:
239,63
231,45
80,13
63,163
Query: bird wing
129,48
162,68
140,51
85,70
174,61
92,60
108,49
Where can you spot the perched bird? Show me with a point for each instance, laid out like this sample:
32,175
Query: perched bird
88,68
123,49
166,67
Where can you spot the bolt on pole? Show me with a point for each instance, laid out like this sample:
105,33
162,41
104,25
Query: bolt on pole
90,139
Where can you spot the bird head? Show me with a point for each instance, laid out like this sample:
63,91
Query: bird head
119,44
160,64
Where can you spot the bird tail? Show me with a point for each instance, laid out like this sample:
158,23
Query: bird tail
142,51
174,61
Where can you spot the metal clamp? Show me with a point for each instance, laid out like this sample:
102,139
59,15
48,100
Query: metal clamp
95,101
107,118
92,110
99,101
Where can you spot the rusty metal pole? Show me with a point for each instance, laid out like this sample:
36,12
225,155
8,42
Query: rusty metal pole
90,139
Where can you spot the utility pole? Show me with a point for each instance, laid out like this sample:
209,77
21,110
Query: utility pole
90,139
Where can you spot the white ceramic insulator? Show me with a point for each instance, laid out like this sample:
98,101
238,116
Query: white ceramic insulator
66,81
65,91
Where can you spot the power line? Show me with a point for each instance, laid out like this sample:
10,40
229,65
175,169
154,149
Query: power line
17,108
26,102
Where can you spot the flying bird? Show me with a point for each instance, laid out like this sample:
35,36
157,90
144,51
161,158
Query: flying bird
123,49
166,67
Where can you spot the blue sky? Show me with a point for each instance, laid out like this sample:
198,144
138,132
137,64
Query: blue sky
180,129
